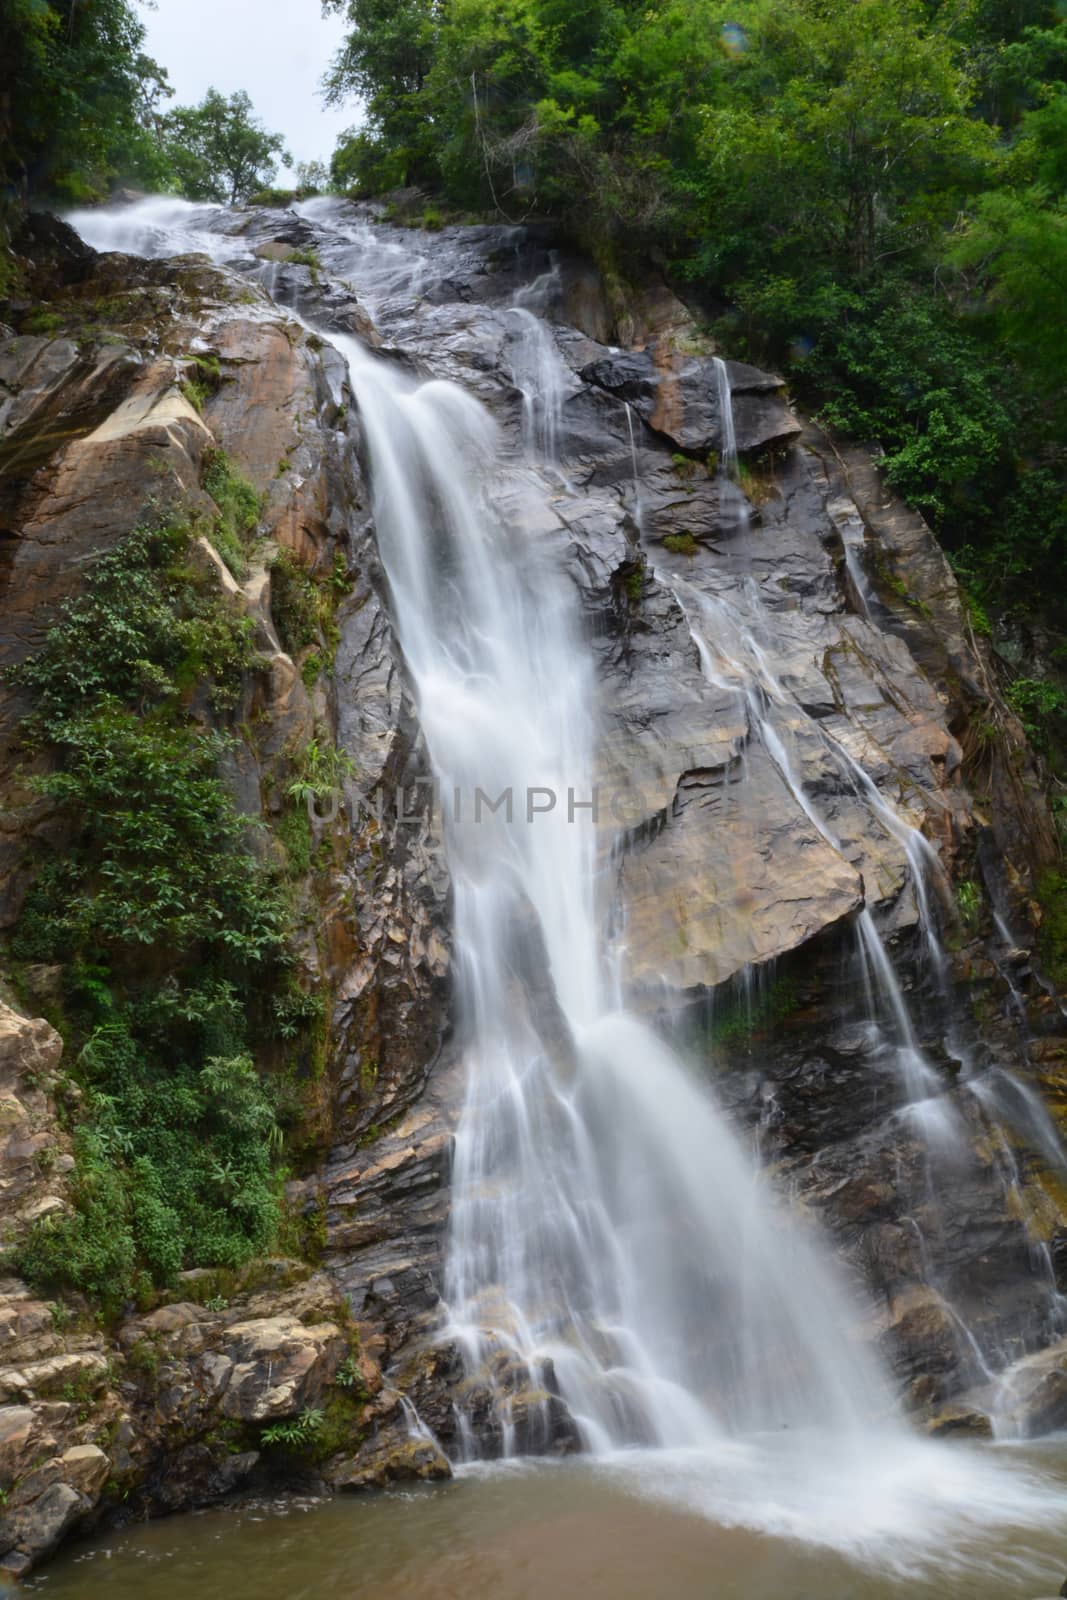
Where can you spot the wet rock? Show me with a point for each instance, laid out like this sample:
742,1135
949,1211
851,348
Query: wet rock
678,396
708,896
922,1340
47,1502
959,1419
392,1459
1032,1396
724,882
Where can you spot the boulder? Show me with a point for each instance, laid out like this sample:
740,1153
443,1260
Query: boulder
960,1419
1031,1397
279,1366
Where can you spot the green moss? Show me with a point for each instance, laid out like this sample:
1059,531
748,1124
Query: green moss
1052,939
44,322
195,392
293,828
238,509
681,544
307,258
633,580
743,1016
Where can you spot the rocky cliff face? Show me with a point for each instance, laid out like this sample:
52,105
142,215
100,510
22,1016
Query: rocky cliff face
789,697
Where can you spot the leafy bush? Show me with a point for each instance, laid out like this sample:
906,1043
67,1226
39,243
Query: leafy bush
322,772
297,1433
1039,704
238,509
295,603
168,925
304,608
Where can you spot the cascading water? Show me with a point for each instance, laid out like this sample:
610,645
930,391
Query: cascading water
598,1195
536,368
735,644
618,1274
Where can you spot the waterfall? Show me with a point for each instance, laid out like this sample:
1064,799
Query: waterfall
599,1197
724,397
735,641
618,1272
536,368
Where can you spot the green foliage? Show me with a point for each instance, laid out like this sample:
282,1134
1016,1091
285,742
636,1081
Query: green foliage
634,581
169,928
303,607
294,830
896,368
312,177
195,392
1052,898
307,258
150,626
969,901
219,150
385,60
681,544
238,509
348,1374
298,1433
749,1013
875,189
81,100
321,774
294,602
1039,704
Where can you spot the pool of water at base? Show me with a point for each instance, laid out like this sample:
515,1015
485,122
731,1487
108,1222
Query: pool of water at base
631,1528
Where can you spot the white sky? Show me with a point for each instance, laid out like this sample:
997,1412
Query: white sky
276,49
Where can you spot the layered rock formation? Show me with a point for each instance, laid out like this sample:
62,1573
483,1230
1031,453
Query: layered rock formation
734,868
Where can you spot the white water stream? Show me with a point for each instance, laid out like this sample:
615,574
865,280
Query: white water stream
611,1241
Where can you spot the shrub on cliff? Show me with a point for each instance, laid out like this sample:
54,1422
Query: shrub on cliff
168,924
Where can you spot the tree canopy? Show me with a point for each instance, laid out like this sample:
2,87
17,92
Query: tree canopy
83,107
871,194
81,101
219,150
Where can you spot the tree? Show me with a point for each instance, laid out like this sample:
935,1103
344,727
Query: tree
311,177
1016,238
219,150
385,61
79,98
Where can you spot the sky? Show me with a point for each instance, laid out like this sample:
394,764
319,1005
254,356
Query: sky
276,49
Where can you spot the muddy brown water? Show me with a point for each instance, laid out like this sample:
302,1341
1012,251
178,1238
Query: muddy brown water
577,1531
